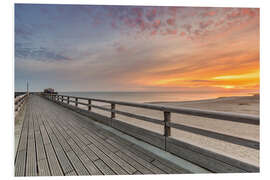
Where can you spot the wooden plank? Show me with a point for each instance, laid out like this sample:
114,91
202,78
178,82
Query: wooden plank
103,167
39,147
137,173
141,161
52,159
114,157
77,164
20,163
83,156
167,169
72,173
148,156
114,166
31,162
43,168
134,163
90,166
59,150
131,149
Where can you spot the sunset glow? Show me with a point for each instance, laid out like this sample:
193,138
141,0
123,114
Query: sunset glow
129,48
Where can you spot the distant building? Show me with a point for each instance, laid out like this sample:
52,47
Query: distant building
49,90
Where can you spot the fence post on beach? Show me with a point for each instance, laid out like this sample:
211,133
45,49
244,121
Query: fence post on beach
167,128
89,104
62,98
112,110
76,101
68,100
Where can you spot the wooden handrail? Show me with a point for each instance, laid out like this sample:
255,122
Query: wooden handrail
235,117
19,101
166,123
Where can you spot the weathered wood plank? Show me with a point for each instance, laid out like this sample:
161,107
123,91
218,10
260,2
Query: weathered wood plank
114,166
135,164
52,159
104,168
43,167
77,164
141,161
114,157
20,163
31,162
131,149
90,166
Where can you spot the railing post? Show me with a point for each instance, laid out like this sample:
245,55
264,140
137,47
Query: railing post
112,110
76,101
167,128
89,104
68,99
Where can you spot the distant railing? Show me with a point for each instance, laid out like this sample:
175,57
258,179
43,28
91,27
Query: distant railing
157,140
19,102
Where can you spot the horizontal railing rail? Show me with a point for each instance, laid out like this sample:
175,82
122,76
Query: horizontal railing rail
19,101
166,122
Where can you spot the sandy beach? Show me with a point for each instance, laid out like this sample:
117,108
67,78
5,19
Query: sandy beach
237,104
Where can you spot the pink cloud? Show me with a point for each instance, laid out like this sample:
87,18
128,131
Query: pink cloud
120,48
220,22
172,11
129,22
182,34
248,11
154,32
172,31
205,24
210,13
113,25
137,11
151,14
156,23
187,27
171,21
233,15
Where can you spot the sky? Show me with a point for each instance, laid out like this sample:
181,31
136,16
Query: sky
137,48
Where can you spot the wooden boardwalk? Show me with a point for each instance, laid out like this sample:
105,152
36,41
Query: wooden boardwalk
59,142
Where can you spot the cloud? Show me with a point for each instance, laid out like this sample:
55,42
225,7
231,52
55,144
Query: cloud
182,34
187,27
171,21
209,13
205,24
41,54
23,32
151,14
157,23
172,31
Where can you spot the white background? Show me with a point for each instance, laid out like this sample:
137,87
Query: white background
7,84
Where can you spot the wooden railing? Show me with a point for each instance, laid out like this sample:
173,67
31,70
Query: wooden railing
163,141
19,102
